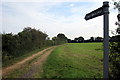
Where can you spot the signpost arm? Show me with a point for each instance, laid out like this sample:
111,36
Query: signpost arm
106,39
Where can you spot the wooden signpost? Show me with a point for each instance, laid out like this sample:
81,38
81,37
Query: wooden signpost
104,10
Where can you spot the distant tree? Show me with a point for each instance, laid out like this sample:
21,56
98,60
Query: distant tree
69,40
79,39
98,39
76,40
92,39
60,39
61,36
56,40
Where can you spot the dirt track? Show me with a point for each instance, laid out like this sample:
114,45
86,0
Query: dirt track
35,66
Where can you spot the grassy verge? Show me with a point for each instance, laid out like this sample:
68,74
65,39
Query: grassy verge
75,60
18,72
15,60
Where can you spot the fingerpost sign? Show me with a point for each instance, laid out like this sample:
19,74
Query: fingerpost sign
104,10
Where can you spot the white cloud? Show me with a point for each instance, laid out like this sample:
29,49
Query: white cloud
71,5
35,15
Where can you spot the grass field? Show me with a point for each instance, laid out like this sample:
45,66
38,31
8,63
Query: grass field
75,60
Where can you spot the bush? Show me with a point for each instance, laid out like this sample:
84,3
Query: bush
114,59
27,40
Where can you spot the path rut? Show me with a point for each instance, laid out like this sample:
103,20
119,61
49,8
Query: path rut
37,66
20,64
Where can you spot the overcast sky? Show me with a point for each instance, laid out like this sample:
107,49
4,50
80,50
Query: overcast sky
54,16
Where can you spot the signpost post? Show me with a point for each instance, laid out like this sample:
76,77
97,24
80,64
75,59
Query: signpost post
104,10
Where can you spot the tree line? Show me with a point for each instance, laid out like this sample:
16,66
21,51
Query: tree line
93,39
15,45
82,40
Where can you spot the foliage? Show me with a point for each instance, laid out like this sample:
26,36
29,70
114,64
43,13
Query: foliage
60,39
114,56
117,6
114,59
79,39
27,40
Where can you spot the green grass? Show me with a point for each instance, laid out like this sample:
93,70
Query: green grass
75,60
17,73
